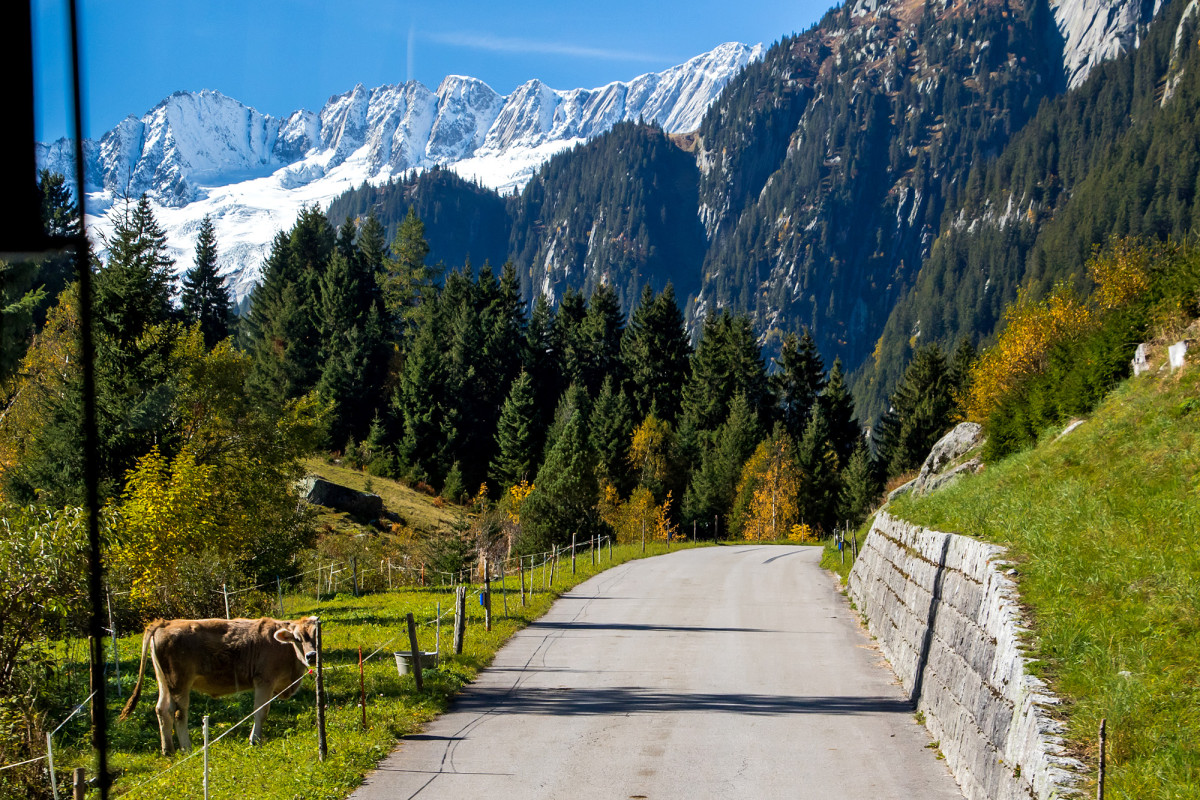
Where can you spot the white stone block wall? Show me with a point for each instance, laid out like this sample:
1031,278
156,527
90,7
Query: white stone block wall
987,713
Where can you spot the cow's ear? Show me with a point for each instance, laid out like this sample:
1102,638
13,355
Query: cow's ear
284,635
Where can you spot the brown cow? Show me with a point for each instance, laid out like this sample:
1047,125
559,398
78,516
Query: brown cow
220,657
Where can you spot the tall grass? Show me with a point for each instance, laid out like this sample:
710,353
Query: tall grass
286,765
1104,525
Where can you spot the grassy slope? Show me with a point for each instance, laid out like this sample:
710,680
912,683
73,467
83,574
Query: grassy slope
1105,527
285,766
415,509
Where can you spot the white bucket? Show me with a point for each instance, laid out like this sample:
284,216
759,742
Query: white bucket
404,661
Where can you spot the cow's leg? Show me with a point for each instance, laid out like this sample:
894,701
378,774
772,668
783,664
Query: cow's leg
181,719
165,709
262,693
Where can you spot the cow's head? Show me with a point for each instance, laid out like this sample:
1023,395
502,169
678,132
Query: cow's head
302,636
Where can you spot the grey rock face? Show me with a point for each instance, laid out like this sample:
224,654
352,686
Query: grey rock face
1094,31
965,437
320,492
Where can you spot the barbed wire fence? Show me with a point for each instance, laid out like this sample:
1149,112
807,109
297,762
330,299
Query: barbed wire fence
526,572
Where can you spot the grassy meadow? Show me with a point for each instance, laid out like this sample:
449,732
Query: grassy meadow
286,764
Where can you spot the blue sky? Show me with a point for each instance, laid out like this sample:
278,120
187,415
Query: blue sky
281,55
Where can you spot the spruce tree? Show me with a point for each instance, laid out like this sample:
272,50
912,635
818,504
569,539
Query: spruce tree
654,354
600,337
860,487
798,382
405,279
610,428
515,456
838,406
417,403
205,298
564,498
819,489
541,362
922,410
568,334
714,484
133,289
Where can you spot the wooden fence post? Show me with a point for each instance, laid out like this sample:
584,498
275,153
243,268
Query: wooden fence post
79,785
279,593
521,570
362,688
1103,742
354,574
322,744
573,553
504,588
487,596
416,654
206,757
225,591
460,619
112,630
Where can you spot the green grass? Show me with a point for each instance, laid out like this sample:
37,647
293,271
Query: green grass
415,509
1104,526
286,765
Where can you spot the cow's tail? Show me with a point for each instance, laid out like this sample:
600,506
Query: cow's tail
147,638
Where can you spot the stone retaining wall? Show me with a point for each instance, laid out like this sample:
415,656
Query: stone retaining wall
946,616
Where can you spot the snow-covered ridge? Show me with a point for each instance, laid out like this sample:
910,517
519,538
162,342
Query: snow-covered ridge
199,153
194,141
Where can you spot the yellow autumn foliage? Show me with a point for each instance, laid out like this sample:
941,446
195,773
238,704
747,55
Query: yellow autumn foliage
639,513
1031,329
772,480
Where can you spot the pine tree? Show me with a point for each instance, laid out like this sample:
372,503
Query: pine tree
922,410
837,405
860,487
133,289
205,298
405,280
714,483
283,326
798,382
610,429
654,353
818,496
600,337
564,498
514,460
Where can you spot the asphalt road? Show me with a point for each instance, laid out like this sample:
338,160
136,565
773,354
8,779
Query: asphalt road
721,672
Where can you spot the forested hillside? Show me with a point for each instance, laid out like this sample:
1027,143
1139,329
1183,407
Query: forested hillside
1116,157
887,179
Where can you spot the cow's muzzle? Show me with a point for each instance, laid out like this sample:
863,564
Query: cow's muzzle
310,657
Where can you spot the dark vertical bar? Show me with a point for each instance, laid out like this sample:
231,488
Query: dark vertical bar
91,471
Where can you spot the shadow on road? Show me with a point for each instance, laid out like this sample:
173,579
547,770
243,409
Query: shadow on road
629,700
542,625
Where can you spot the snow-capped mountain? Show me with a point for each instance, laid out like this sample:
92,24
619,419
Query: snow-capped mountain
198,153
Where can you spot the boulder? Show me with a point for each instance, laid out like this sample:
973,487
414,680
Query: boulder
1177,354
1141,359
965,437
320,492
